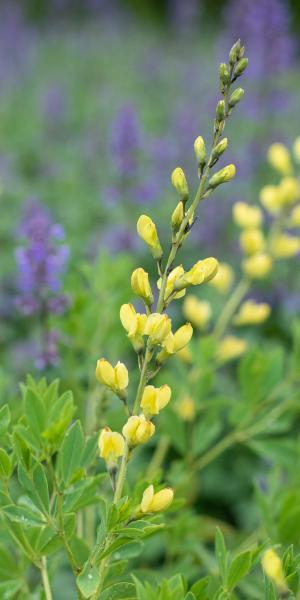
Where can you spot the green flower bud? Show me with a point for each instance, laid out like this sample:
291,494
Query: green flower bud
241,66
234,53
179,182
200,150
222,176
224,74
220,148
220,111
235,97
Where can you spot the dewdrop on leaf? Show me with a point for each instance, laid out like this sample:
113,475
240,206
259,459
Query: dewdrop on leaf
152,502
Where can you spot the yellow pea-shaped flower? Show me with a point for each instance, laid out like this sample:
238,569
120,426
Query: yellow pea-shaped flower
111,445
157,327
155,399
138,430
230,347
201,272
272,566
152,502
279,158
270,198
141,286
285,246
147,231
246,216
252,313
197,311
115,378
223,279
257,266
252,241
289,191
186,409
172,278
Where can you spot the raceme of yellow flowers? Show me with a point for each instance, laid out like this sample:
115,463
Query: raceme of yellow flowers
268,232
150,331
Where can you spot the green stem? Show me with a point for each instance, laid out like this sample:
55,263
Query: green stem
45,578
230,307
158,456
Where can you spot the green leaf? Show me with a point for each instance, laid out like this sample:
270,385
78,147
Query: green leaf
259,373
36,485
190,596
4,419
22,515
5,465
122,548
206,431
199,588
88,580
119,591
83,493
71,452
221,554
239,567
8,589
35,413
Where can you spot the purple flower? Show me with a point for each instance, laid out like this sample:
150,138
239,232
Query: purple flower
263,27
184,14
126,141
41,261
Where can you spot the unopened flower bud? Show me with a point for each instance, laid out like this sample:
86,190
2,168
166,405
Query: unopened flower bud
134,323
175,342
285,245
220,148
111,445
200,150
241,66
177,216
147,231
152,502
220,111
138,430
155,399
171,280
179,182
224,75
235,97
222,176
246,216
201,272
252,241
235,53
141,286
115,378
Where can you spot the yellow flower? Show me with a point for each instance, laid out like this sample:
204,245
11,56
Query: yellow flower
147,231
178,214
179,182
138,430
200,150
295,216
270,198
279,158
141,286
111,444
171,280
273,568
257,266
285,246
155,399
230,347
252,313
223,279
186,408
157,327
152,502
185,355
115,378
252,241
201,272
246,216
296,149
289,190
222,176
197,311
134,323
175,342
